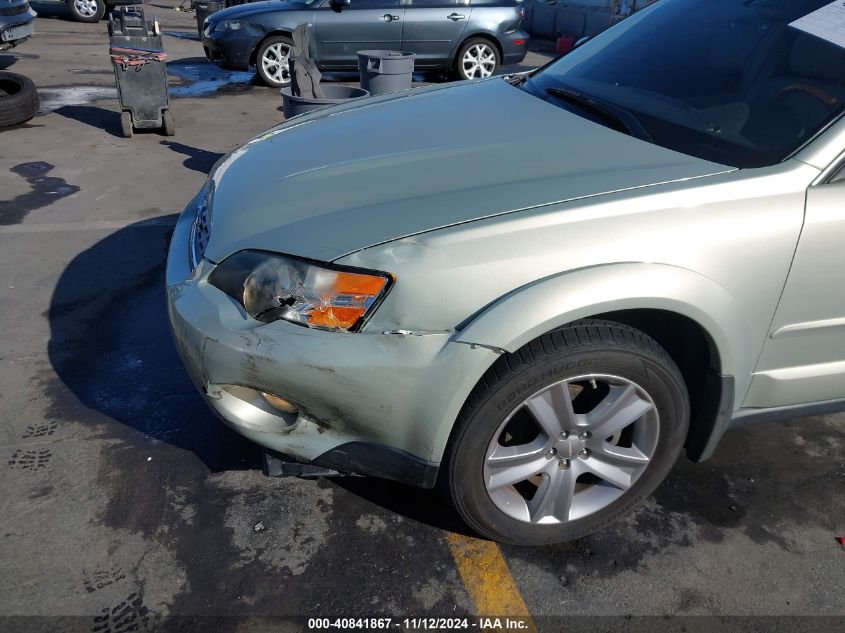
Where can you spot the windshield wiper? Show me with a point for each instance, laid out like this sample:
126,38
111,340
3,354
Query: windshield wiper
620,120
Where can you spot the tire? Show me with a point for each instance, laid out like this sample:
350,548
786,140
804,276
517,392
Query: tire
86,10
623,374
18,99
477,58
126,124
267,61
168,124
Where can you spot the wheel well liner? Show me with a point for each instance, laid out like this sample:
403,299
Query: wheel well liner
696,355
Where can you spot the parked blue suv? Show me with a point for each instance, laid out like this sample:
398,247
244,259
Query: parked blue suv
471,37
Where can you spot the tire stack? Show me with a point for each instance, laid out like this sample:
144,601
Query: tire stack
18,99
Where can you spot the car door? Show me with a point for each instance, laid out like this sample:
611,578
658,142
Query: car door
363,25
803,359
433,29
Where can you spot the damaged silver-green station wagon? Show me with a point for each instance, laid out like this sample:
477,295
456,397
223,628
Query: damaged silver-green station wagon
537,291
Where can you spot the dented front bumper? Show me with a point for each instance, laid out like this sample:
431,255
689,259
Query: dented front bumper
371,403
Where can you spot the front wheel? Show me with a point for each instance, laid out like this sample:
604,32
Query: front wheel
87,10
272,61
477,58
567,435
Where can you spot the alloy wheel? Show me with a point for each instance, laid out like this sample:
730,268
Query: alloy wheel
86,8
571,449
479,61
274,61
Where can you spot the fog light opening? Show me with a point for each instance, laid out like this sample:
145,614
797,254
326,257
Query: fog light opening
279,403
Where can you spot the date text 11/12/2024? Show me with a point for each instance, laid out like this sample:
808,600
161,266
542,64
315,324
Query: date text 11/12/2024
420,624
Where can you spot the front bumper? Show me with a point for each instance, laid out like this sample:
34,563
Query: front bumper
15,29
369,403
229,50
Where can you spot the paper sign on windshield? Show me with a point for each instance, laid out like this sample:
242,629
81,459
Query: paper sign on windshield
827,23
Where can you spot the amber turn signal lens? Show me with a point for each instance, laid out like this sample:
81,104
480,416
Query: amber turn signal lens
348,300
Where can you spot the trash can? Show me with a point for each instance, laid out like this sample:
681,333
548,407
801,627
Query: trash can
385,71
203,9
137,54
332,95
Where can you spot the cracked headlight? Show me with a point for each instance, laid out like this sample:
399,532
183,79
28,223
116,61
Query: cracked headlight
317,295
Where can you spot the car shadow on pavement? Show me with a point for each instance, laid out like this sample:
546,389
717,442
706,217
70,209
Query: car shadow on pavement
428,507
200,160
114,365
6,61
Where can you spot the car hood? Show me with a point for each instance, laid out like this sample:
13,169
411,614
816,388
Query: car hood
242,11
327,184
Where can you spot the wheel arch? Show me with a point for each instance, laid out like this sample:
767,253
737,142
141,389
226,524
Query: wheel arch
253,55
484,35
697,321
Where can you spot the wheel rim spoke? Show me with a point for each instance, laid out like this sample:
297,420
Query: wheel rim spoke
554,496
616,465
552,409
614,475
626,456
620,408
508,465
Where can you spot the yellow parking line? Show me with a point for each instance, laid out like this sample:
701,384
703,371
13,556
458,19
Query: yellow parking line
488,581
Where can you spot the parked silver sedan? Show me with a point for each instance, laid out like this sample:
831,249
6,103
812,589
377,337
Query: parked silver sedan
537,291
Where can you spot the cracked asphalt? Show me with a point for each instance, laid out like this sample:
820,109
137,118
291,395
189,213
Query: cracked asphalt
127,506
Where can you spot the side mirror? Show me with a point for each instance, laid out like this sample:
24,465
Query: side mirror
340,4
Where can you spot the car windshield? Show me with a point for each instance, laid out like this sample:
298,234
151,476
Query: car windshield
739,82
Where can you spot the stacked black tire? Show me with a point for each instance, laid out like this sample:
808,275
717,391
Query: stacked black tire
18,99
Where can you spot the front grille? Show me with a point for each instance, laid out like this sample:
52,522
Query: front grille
200,234
21,8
